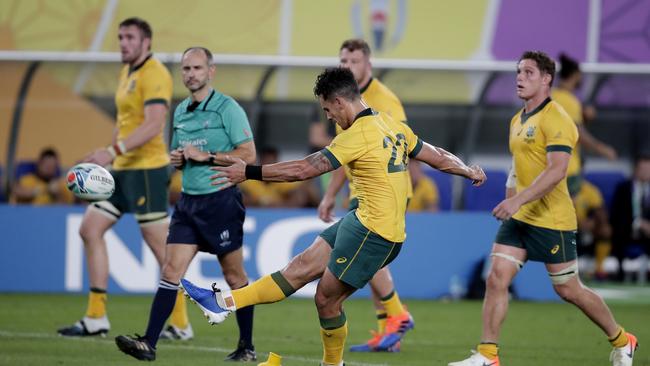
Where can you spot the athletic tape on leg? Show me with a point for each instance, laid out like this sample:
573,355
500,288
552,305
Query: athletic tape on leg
563,276
519,264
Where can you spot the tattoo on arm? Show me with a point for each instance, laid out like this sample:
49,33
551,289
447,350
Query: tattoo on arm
319,162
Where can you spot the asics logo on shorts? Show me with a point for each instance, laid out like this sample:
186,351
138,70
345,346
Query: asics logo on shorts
341,260
555,249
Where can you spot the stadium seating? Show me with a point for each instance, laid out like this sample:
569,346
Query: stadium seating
485,197
444,183
606,181
27,167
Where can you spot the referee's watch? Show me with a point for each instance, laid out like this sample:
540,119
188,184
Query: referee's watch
212,158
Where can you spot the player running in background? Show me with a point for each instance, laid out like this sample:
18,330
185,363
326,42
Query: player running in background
538,218
346,255
206,125
570,79
393,320
140,168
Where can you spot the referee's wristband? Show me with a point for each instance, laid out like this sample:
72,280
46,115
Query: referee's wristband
254,172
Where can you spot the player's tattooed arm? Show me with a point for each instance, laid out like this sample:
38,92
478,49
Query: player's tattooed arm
296,170
287,171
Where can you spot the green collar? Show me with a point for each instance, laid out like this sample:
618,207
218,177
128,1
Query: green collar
526,116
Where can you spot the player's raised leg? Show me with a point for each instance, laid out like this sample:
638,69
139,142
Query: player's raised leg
307,266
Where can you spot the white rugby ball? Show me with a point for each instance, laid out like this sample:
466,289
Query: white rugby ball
90,182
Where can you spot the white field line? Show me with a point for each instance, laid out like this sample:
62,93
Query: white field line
27,335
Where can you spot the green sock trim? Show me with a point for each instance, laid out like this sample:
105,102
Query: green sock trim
98,290
389,296
333,323
382,316
282,282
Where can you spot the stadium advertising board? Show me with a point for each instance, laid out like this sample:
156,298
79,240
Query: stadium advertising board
41,251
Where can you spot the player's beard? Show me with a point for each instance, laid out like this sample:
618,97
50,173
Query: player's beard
135,55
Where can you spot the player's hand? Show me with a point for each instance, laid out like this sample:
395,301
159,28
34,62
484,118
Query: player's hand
190,152
506,209
477,175
100,157
176,158
325,209
229,175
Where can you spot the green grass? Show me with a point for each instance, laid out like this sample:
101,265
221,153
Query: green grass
534,333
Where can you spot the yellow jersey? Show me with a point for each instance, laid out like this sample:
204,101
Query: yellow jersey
545,129
381,99
377,157
573,108
425,195
147,83
43,197
587,199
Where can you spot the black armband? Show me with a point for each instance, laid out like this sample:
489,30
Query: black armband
254,172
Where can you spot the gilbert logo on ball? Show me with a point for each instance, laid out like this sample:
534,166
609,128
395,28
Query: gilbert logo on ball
90,182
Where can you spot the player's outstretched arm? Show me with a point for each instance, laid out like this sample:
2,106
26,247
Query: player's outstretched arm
286,171
447,162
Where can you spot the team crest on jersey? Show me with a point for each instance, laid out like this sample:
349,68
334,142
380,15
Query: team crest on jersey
530,134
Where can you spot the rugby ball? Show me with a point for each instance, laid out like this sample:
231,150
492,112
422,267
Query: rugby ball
90,182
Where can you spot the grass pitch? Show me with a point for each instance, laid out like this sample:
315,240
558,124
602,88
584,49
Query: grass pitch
534,333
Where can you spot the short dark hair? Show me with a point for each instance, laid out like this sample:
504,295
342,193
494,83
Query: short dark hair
356,44
48,152
545,64
142,25
206,51
337,81
568,66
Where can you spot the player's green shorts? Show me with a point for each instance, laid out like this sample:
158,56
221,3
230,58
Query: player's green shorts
357,253
541,244
574,182
143,192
